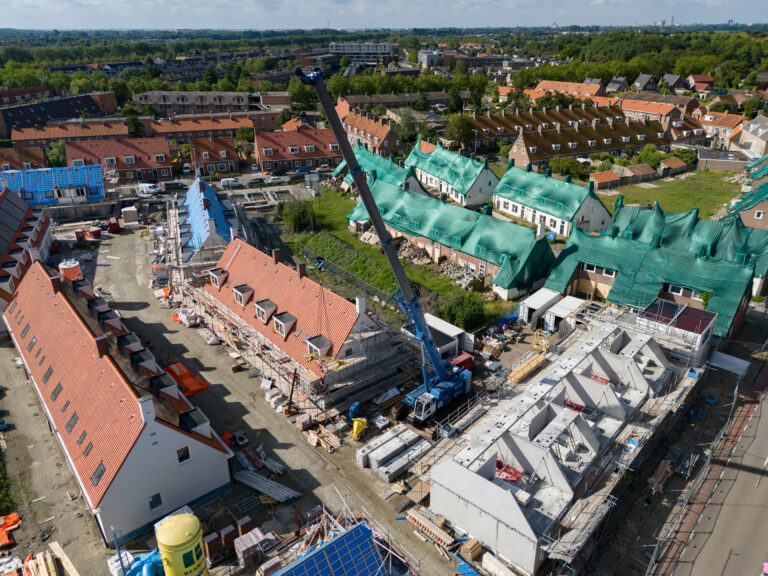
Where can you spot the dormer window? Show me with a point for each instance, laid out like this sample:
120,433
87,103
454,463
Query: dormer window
625,139
544,125
78,162
218,276
641,137
265,309
309,149
660,135
500,129
571,123
486,131
206,156
334,147
697,131
677,124
159,158
528,127
242,294
293,149
110,161
619,118
572,145
532,149
267,151
129,160
319,345
223,153
592,143
555,147
607,141
283,323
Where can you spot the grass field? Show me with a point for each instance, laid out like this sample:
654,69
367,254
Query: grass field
707,191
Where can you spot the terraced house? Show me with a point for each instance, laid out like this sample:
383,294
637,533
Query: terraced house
646,254
380,167
512,258
463,180
556,205
296,149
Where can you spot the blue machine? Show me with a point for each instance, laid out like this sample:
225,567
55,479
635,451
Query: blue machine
444,383
149,564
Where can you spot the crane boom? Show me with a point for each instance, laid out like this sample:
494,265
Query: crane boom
407,298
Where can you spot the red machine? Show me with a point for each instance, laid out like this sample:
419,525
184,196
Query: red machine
113,225
189,383
9,523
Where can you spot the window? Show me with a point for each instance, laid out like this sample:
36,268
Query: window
56,392
625,139
83,434
552,222
267,165
183,454
47,374
110,161
31,344
696,295
66,405
267,151
88,449
592,143
607,141
297,163
98,473
78,162
758,216
129,175
159,157
129,160
154,503
555,147
12,307
309,149
293,149
590,268
72,421
676,290
572,145
223,153
334,147
26,329
641,137
609,273
514,208
206,156
222,167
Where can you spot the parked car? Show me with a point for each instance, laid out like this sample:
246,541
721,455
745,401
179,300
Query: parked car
230,182
255,168
323,168
175,186
278,172
257,180
273,179
149,188
303,170
186,169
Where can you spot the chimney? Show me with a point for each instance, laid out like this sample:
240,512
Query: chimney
594,123
568,178
544,109
517,112
591,186
570,107
102,345
404,185
558,127
360,304
540,129
276,257
56,283
147,409
583,105
474,114
503,112
301,270
610,122
557,108
530,110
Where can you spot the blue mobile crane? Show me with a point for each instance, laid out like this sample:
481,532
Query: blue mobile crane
444,383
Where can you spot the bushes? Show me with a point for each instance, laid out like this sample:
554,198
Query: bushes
298,215
466,311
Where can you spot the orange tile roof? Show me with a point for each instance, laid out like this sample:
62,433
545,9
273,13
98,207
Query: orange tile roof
647,107
535,94
370,126
214,147
16,158
293,124
723,119
92,385
505,90
84,130
426,146
673,162
603,177
571,88
317,310
143,151
199,125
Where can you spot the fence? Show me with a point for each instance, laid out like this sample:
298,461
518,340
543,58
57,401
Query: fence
348,277
685,500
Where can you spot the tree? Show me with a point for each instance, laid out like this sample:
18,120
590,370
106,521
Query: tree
460,67
135,127
337,86
244,133
209,76
267,86
149,110
688,155
300,92
720,107
413,57
120,88
465,310
459,130
569,167
345,61
455,103
407,127
427,130
422,104
477,86
664,88
297,214
518,100
185,151
57,153
650,155
752,106
284,116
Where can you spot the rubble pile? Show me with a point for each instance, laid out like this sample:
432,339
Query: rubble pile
460,275
369,237
412,254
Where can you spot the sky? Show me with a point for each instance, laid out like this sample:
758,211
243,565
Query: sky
343,14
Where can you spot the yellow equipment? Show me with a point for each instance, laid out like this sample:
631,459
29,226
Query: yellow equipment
358,427
543,341
180,540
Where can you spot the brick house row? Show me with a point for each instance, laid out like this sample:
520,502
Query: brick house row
130,159
296,149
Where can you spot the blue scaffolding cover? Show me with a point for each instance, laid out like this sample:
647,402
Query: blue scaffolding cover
352,553
37,186
204,206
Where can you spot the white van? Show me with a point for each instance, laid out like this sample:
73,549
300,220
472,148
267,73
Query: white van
230,182
149,188
186,169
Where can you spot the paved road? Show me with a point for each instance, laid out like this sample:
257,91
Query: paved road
730,537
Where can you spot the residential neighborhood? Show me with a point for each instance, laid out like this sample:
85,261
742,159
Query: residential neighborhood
426,298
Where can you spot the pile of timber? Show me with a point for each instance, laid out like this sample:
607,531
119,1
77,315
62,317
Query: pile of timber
424,522
323,437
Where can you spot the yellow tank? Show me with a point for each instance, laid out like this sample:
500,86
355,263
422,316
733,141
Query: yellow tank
180,540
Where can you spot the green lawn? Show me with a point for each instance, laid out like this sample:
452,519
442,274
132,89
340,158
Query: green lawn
707,191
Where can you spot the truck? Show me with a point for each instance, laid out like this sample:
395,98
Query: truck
441,383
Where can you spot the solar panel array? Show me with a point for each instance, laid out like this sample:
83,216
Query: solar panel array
352,553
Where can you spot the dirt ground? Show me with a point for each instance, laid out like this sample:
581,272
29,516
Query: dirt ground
120,270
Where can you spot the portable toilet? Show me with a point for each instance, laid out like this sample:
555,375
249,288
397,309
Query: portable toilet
79,234
70,269
180,541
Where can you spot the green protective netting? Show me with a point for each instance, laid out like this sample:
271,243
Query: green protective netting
542,193
514,248
371,162
749,200
649,248
756,162
759,173
458,171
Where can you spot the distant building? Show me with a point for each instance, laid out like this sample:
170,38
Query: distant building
372,132
130,159
168,103
213,155
184,130
137,447
645,83
22,159
76,130
435,121
293,150
595,88
365,52
616,85
384,170
11,96
687,131
66,185
675,82
719,126
752,208
362,101
605,180
641,110
753,138
701,83
686,104
462,180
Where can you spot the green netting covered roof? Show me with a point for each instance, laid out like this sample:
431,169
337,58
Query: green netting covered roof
759,173
649,248
543,193
514,248
750,200
369,162
458,171
756,162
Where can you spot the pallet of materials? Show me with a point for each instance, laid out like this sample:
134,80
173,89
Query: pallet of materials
400,463
526,368
427,527
266,486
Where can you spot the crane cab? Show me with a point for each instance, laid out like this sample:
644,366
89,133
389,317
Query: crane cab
424,407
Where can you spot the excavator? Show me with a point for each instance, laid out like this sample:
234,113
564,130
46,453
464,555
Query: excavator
443,383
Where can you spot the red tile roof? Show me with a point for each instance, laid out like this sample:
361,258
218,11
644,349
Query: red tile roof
371,127
16,158
67,130
648,107
199,125
143,151
280,143
505,90
722,119
571,88
673,162
603,177
426,146
315,314
294,124
535,94
641,170
214,147
92,385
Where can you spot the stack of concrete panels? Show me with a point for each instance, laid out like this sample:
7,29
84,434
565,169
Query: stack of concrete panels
362,453
392,448
397,465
